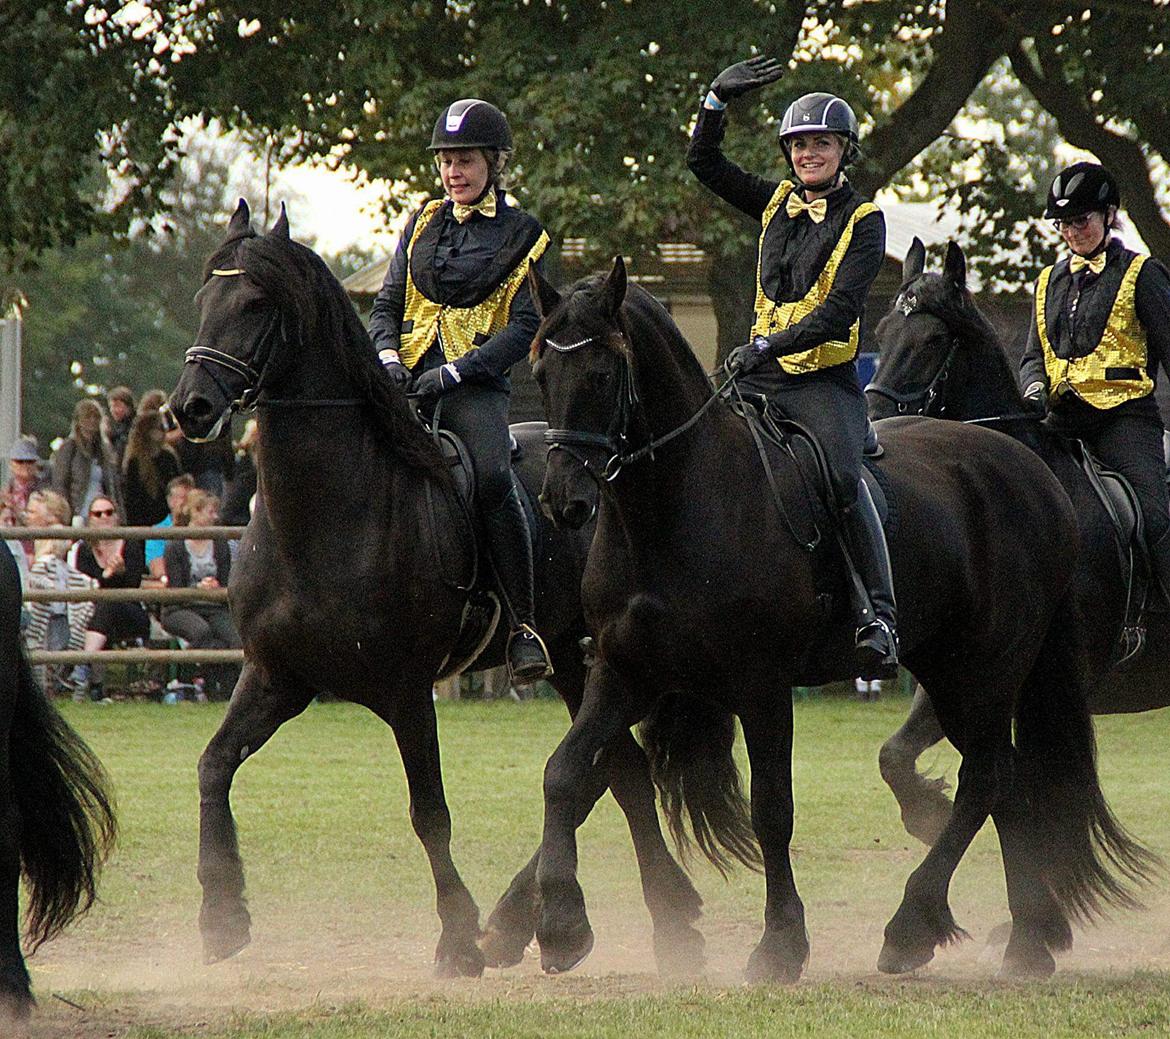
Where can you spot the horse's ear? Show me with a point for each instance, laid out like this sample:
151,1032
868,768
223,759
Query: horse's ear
240,222
915,261
280,228
615,287
544,296
955,265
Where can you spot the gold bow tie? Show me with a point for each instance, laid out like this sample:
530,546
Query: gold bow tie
816,209
1078,263
486,206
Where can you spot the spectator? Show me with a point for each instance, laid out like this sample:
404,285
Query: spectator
148,468
120,401
202,563
113,565
25,476
10,518
54,625
83,466
237,501
177,491
211,463
156,400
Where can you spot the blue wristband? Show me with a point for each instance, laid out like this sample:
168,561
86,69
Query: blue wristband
712,101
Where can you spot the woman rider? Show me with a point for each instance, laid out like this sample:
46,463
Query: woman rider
1100,328
820,249
453,315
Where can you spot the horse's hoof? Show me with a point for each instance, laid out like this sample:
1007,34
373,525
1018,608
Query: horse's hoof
896,959
680,954
222,945
566,956
503,948
779,958
1026,958
458,963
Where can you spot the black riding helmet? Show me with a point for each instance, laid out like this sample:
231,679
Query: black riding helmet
472,123
1083,187
819,112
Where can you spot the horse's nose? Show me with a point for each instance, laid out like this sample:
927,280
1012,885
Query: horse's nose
576,514
197,408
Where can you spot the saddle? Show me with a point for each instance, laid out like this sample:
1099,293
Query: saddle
483,606
1120,503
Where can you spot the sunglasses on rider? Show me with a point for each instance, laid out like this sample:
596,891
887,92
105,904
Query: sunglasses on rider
1073,223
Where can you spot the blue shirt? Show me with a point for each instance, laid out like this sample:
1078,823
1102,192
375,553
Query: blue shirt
155,547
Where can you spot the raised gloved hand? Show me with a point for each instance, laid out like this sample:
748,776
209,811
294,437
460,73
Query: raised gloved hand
1036,396
437,381
745,76
746,359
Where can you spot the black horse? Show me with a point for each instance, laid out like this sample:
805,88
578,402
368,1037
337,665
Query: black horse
940,356
700,587
351,580
56,812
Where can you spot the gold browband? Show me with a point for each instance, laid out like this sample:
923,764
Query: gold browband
228,273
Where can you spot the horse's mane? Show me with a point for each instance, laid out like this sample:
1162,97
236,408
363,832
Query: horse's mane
314,305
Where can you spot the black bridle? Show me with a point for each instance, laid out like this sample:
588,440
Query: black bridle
921,402
253,371
616,440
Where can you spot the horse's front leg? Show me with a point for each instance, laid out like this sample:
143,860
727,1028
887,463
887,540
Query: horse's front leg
257,709
574,778
767,728
416,731
924,806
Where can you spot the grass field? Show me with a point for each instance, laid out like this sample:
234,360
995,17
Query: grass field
342,902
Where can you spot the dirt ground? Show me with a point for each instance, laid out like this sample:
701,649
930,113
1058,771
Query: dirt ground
89,992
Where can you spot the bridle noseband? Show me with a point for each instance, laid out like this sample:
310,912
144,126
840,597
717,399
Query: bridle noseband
616,441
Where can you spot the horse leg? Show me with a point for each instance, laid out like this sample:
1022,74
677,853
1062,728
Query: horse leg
670,896
15,998
1039,926
925,809
767,729
416,732
924,920
573,782
258,707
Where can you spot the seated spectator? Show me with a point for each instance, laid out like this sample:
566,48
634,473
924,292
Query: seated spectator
113,565
202,563
54,625
83,466
9,519
177,491
237,501
148,467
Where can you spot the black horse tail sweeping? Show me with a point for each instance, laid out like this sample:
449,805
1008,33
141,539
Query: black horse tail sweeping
690,745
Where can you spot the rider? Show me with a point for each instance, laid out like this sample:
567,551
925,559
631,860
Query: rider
1100,328
453,315
820,249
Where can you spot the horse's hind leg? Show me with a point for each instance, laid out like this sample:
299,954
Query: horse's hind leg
257,709
15,998
925,808
416,731
924,920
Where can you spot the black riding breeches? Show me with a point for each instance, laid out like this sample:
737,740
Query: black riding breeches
831,410
1130,442
478,415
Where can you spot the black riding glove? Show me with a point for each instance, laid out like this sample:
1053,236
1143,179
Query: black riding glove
399,373
750,357
437,381
1036,396
745,76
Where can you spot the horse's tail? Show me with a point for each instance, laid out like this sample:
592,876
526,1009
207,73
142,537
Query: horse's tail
689,743
64,808
1088,859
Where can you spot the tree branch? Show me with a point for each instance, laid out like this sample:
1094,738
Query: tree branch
1080,127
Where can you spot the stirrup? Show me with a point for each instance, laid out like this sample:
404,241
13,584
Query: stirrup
876,650
527,654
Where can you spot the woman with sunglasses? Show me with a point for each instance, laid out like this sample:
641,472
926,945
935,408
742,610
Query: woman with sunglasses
111,564
1100,329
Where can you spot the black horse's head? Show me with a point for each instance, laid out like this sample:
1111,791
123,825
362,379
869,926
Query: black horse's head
917,338
581,362
242,322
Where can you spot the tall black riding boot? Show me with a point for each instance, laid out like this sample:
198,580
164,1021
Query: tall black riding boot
873,588
511,552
